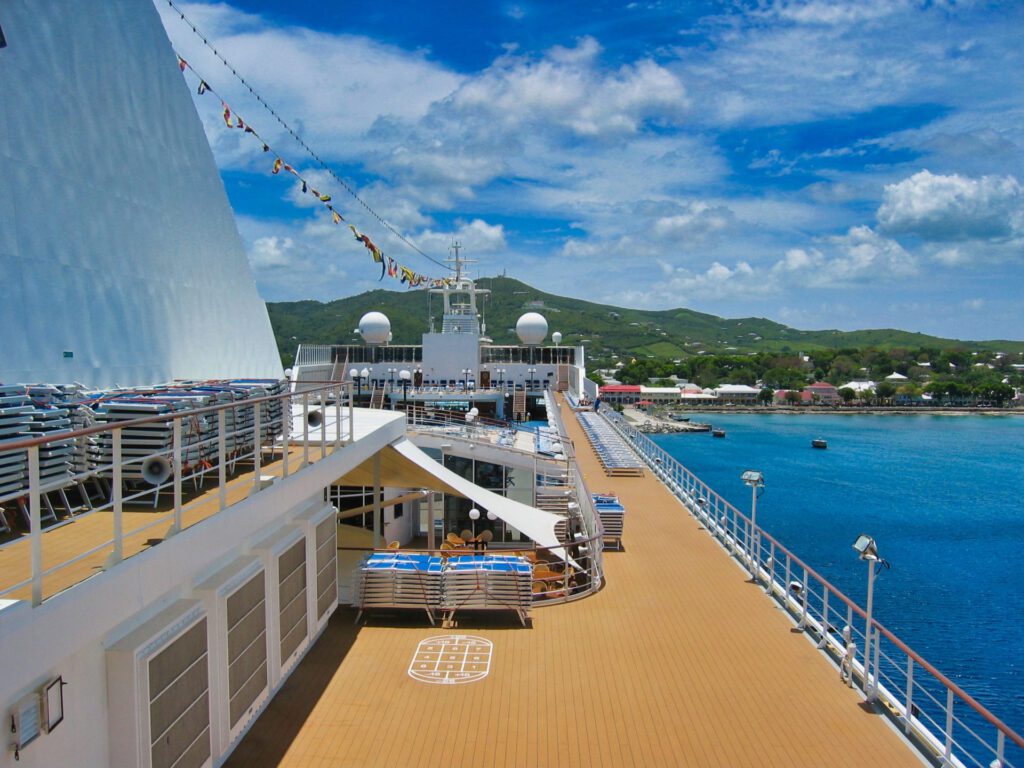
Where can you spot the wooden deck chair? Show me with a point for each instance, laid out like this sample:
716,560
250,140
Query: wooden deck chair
454,538
466,536
394,545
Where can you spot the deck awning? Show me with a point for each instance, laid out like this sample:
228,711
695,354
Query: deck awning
403,465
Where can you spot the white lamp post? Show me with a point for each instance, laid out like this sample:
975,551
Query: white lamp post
755,480
474,515
404,376
868,552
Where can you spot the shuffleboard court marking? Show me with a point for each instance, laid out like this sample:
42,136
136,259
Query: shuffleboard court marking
451,659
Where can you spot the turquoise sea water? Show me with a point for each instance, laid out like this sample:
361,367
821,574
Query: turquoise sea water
943,496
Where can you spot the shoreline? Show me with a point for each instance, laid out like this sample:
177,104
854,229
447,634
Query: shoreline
658,419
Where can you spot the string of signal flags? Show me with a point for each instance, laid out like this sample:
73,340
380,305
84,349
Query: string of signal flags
388,266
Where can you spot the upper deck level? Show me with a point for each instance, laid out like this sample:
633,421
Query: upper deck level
679,660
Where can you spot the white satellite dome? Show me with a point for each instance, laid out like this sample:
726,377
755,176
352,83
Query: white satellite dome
556,337
374,327
531,328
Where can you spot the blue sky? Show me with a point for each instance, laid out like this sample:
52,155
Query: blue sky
824,164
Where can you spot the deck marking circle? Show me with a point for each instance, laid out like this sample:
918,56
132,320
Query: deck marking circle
451,659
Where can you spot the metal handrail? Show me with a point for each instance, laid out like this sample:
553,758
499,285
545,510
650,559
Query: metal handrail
248,443
733,529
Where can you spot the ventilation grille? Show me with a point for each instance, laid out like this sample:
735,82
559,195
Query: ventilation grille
291,570
179,702
247,646
326,567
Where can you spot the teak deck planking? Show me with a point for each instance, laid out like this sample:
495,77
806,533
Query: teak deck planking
677,661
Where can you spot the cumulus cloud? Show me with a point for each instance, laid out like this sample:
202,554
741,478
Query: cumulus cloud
951,208
695,223
567,88
269,252
477,236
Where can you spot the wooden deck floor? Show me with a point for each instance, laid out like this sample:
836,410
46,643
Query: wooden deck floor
143,525
677,661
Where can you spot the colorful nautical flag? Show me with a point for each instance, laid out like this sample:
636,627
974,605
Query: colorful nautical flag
277,165
227,116
182,64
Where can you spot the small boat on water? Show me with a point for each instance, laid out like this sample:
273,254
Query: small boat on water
718,433
819,443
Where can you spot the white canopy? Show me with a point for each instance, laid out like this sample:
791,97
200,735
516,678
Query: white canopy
403,465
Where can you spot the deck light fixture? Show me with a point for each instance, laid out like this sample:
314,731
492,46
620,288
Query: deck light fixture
474,515
405,376
867,550
755,480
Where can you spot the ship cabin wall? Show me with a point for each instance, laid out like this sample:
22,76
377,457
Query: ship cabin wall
76,633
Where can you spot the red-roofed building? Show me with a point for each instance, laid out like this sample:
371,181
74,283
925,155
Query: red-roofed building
623,394
826,393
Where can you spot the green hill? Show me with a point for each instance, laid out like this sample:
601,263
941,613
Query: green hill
607,330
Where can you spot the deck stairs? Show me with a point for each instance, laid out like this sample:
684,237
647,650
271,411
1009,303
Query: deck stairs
377,398
519,412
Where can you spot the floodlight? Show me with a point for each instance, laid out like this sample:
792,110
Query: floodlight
752,477
865,547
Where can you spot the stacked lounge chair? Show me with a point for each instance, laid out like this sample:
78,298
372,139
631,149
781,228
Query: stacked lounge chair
430,583
612,515
615,455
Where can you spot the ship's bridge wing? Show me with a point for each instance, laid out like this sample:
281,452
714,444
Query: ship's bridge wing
403,465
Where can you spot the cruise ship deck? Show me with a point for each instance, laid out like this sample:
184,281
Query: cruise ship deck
679,660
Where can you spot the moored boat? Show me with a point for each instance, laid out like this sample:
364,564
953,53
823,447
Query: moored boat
819,443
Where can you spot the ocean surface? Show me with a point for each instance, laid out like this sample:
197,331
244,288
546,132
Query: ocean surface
943,496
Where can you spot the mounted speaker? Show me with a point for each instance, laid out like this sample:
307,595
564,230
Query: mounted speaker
315,418
156,470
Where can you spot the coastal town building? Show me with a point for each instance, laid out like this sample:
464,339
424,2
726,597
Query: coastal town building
823,392
739,394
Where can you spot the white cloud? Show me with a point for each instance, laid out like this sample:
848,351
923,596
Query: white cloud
697,222
566,88
477,237
952,208
268,252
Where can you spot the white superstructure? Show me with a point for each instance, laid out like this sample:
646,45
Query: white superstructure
121,262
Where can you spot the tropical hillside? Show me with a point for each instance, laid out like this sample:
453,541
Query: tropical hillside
609,333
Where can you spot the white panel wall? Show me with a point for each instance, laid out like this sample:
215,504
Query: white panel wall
117,242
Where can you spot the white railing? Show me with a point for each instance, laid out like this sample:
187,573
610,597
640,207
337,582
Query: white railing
306,427
946,723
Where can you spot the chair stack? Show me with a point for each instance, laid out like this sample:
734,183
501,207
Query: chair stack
612,515
55,457
612,451
15,423
400,580
489,583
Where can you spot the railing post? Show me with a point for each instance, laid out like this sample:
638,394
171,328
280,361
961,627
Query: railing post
909,703
323,426
770,581
337,416
118,554
176,450
257,446
222,455
305,429
286,433
351,415
805,593
824,620
35,524
947,757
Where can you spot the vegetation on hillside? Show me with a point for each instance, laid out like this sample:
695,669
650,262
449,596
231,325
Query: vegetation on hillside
609,333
